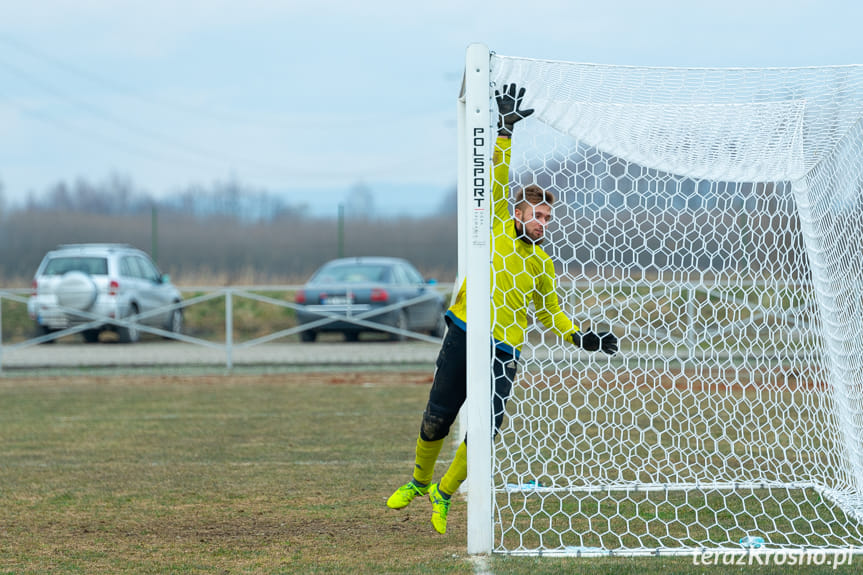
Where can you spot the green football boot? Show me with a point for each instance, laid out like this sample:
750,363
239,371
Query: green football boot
405,494
440,508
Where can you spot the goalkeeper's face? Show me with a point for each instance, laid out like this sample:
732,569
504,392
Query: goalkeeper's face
531,221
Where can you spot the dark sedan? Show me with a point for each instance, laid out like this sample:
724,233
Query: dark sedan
362,292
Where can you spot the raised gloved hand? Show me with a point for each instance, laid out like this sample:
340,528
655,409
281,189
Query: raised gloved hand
589,341
509,108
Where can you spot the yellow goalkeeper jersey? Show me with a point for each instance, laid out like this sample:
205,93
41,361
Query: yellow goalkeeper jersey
521,272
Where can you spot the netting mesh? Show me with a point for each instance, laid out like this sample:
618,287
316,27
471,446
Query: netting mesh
712,219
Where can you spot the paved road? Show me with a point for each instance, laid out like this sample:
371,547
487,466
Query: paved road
170,354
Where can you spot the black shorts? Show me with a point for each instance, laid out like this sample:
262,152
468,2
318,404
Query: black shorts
449,389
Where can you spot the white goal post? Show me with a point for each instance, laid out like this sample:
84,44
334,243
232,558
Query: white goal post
713,219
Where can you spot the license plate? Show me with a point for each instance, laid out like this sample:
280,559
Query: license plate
338,300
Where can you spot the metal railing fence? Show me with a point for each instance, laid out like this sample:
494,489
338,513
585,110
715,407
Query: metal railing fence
363,319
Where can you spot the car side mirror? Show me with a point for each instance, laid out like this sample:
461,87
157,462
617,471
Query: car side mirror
165,279
431,281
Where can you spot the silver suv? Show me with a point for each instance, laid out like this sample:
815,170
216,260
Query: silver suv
112,280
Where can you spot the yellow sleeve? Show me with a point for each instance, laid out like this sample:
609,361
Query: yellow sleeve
547,304
500,180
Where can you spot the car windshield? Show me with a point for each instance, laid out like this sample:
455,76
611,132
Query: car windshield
93,266
352,273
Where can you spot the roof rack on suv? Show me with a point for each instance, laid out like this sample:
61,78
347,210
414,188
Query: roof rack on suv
94,245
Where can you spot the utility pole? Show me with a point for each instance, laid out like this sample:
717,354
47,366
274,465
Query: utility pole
341,226
154,234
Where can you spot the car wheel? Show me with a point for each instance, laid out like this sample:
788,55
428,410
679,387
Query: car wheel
90,335
400,324
308,336
175,322
130,333
439,328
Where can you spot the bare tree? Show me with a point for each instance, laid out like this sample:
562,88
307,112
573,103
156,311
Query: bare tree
360,202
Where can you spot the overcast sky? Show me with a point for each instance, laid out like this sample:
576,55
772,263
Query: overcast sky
311,98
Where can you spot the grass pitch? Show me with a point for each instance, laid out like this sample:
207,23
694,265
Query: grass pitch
279,473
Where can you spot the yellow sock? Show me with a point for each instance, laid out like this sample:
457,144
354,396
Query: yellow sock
457,471
426,456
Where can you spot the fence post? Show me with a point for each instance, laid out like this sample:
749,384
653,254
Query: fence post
1,333
229,328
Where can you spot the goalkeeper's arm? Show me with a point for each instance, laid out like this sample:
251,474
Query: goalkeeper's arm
548,310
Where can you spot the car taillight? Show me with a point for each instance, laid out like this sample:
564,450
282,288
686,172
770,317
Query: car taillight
34,287
379,295
113,287
300,297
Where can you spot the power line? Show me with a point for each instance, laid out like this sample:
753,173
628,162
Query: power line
114,86
157,137
162,140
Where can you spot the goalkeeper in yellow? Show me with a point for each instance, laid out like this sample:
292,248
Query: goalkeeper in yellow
521,273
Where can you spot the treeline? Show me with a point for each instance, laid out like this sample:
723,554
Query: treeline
227,233
287,249
228,251
230,235
117,195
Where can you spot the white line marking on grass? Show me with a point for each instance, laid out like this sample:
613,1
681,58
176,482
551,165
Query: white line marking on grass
480,565
173,416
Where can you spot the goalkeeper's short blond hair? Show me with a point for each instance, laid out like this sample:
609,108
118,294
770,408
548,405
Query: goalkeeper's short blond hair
533,195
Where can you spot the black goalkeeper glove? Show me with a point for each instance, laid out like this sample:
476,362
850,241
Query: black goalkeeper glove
509,109
589,341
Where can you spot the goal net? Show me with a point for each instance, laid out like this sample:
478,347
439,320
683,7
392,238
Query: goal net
713,220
